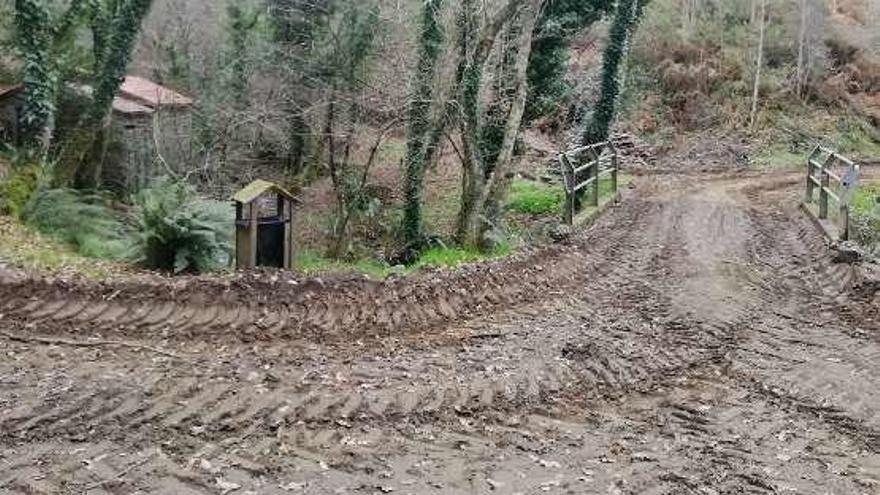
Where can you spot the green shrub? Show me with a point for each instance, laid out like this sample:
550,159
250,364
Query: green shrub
177,231
865,210
83,220
534,198
17,188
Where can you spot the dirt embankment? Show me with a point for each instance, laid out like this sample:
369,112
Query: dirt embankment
267,305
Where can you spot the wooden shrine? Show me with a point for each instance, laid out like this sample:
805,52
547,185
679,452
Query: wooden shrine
264,226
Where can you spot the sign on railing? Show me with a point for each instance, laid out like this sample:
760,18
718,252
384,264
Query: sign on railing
836,177
584,168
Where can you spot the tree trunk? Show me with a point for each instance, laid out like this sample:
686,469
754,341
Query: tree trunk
419,137
757,89
625,18
802,44
34,42
474,215
84,167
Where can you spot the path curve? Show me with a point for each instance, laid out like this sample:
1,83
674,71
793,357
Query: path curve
698,339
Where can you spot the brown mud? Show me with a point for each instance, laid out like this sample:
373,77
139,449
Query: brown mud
697,339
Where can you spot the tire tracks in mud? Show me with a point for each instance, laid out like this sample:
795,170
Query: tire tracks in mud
670,308
600,361
274,305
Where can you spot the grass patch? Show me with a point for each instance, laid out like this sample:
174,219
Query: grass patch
309,261
538,198
865,212
446,257
866,197
780,156
84,221
534,198
31,250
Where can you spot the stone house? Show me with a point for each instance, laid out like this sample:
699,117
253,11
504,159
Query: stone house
150,132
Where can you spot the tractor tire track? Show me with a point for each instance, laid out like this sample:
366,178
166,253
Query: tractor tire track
687,343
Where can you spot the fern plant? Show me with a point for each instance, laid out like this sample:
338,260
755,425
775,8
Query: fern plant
177,231
83,220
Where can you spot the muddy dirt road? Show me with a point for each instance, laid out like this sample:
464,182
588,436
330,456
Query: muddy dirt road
698,339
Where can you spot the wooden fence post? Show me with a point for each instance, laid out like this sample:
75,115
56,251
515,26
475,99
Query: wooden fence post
614,168
823,194
844,214
569,181
254,233
596,179
810,185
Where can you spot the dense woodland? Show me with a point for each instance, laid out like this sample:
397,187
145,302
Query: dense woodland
412,131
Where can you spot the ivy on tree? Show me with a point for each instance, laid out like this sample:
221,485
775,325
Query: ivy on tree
38,79
626,16
560,22
419,121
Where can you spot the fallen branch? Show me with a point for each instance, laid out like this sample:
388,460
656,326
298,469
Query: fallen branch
96,343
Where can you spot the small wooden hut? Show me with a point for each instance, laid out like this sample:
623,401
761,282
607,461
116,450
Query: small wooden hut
264,226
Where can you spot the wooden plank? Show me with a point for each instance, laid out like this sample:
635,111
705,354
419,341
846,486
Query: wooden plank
568,180
596,183
811,181
253,234
614,168
586,167
584,149
289,251
846,161
823,195
586,183
831,194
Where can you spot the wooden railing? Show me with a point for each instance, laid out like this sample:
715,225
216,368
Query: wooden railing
584,168
836,177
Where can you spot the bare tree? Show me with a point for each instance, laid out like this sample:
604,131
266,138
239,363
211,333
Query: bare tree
759,64
810,43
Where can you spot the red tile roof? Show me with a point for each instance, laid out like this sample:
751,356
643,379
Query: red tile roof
137,96
130,107
150,94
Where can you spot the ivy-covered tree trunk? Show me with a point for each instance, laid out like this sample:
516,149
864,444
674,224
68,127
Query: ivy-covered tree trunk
419,137
625,18
560,23
485,173
85,154
240,25
38,77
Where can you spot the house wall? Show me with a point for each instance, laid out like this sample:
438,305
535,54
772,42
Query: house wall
174,134
133,159
130,163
